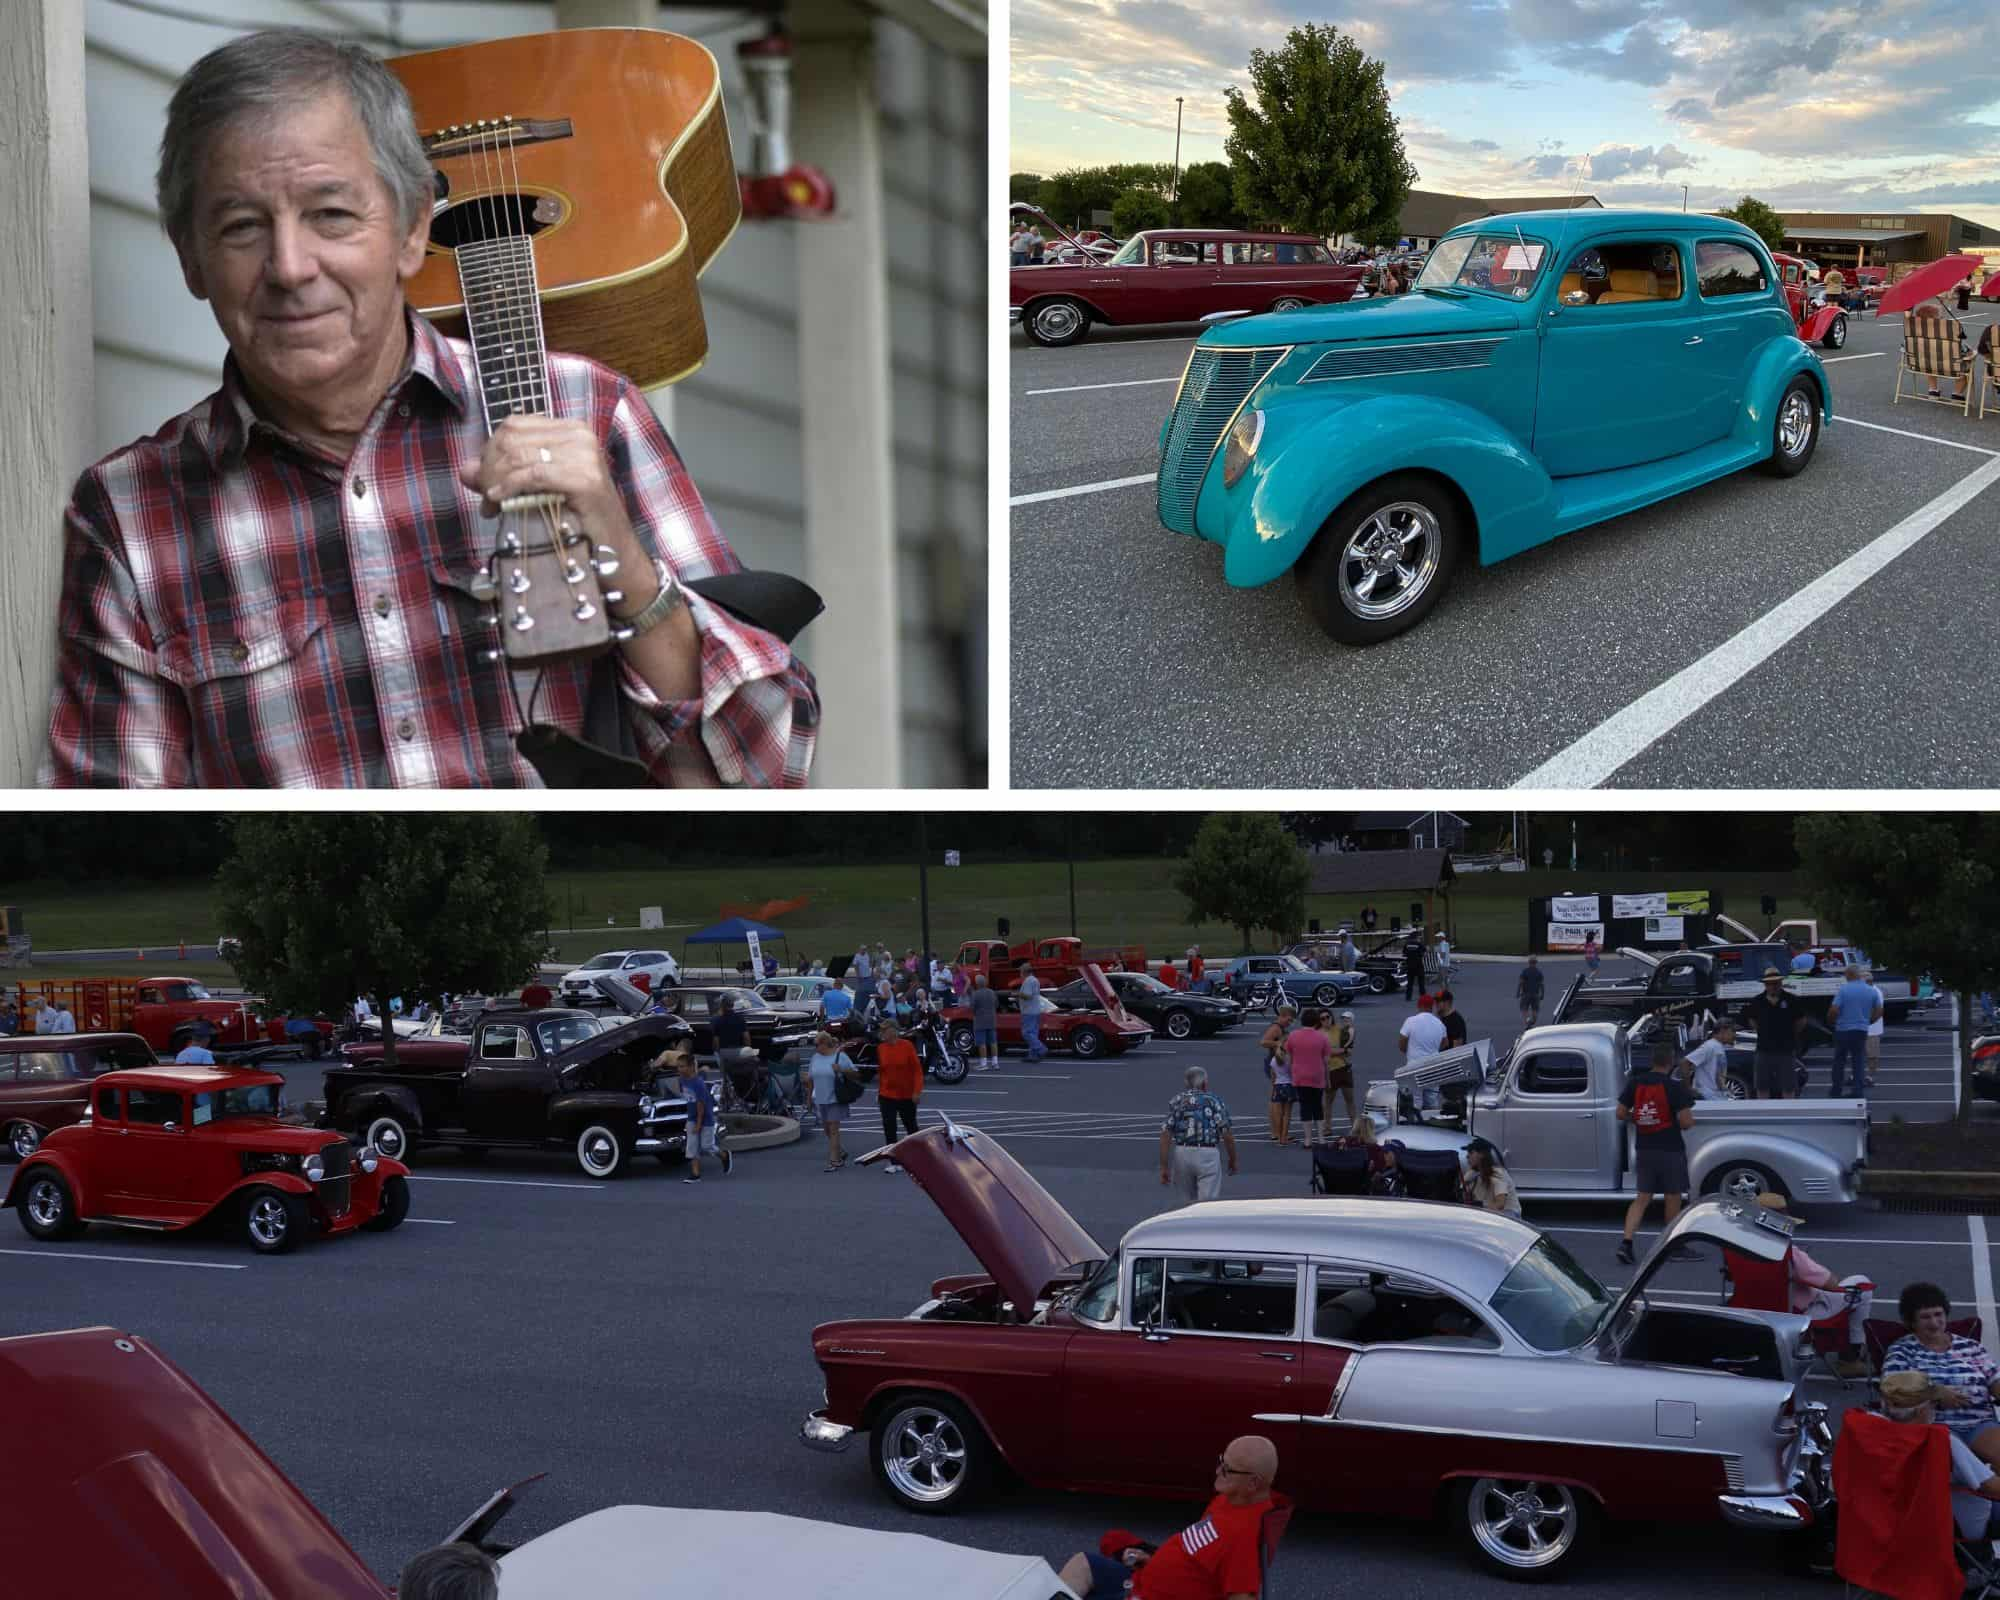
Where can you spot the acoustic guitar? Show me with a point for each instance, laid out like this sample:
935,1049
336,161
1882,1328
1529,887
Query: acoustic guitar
584,182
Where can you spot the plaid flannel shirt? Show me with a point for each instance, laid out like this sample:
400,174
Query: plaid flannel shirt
240,610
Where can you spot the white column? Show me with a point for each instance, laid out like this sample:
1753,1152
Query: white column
46,413
844,345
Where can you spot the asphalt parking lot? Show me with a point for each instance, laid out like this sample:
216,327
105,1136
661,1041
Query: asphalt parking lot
646,1341
1595,660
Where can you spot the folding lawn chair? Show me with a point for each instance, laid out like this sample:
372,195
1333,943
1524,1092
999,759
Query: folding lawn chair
1753,1285
1269,1531
1894,1525
1934,349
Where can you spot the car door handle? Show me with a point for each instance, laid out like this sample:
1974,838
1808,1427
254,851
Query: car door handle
1277,1355
1695,340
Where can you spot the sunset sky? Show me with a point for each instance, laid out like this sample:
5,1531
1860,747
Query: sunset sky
1894,105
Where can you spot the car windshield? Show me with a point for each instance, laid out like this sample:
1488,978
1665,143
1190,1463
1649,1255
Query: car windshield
1294,964
1143,981
1493,263
1129,253
254,1100
608,963
560,1033
746,1000
1549,1300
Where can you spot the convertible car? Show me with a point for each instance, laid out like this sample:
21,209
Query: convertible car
1407,1358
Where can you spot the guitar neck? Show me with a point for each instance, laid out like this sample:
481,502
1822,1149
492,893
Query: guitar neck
503,320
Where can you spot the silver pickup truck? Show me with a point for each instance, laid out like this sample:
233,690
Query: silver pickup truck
1550,1105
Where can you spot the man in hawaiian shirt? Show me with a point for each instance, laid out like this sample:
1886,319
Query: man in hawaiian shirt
1193,1140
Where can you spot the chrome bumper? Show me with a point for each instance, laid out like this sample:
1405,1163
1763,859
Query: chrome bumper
1774,1513
1013,313
816,1433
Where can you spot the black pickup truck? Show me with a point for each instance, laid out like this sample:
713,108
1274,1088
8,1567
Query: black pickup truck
525,1080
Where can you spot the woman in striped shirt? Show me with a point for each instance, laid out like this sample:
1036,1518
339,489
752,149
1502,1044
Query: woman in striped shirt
1965,1375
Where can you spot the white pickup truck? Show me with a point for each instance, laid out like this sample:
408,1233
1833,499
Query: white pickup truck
1550,1106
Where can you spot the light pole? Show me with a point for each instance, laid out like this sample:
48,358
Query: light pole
1684,197
1177,160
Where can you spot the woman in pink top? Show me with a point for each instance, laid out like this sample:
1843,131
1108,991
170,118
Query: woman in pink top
1309,1050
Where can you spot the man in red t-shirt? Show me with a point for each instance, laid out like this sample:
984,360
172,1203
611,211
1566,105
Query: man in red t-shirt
1218,1558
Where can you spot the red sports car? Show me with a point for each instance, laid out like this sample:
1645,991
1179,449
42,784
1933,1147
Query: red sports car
1109,1030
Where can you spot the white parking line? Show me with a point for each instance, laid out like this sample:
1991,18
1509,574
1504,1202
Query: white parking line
1629,733
1081,488
1905,433
1129,383
1982,1281
510,1183
434,1222
1827,361
130,1261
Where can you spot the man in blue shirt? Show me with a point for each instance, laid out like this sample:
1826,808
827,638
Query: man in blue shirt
834,1005
1031,1013
1805,962
1856,1007
195,1053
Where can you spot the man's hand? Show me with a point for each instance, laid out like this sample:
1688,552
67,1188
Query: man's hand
1164,1178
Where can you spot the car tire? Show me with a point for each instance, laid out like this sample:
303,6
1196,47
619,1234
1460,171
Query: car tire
47,1206
1736,1087
1179,1025
1350,545
1496,1518
1378,983
391,1136
394,1207
1056,321
1743,1180
24,1139
1798,407
274,1220
1290,302
961,1040
1327,994
603,1152
952,1068
1087,1043
1836,333
929,1454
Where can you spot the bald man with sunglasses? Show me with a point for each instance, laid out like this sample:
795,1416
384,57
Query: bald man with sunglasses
1218,1558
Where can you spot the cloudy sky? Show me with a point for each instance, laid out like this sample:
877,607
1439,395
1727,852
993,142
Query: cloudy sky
1807,104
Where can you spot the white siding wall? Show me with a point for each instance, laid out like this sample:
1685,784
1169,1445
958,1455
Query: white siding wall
737,421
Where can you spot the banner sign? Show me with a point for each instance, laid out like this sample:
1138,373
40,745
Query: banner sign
1639,905
1687,902
1571,935
951,858
1665,928
756,953
1573,908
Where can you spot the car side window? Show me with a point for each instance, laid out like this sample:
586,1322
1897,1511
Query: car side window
1725,268
1554,1072
107,1104
41,1066
504,1042
1248,253
1355,1306
152,1107
1239,1296
1626,273
1182,253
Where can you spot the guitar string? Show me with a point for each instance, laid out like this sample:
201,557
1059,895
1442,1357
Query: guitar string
530,307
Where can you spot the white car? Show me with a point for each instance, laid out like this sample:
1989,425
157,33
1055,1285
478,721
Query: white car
643,969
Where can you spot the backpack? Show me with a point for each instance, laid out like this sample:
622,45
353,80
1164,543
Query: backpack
1652,1108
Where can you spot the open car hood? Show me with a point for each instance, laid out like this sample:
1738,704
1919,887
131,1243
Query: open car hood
622,993
1107,997
619,1553
660,1032
1012,1225
1738,1225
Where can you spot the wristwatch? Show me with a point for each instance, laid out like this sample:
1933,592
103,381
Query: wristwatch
663,605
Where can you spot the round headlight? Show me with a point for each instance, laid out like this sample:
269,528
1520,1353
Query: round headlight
315,1169
368,1162
1244,436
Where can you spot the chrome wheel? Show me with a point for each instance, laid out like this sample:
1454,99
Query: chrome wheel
1795,422
1735,1089
388,1135
1525,1526
47,1205
1291,302
1179,1025
1837,334
1390,560
600,1152
268,1220
23,1140
1743,1183
1057,321
924,1454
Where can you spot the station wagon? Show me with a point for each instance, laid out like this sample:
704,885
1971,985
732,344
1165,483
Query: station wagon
1548,370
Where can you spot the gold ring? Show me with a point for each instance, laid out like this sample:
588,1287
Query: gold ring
546,456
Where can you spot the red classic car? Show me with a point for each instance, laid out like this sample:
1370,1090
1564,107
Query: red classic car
164,1148
164,1011
1177,275
45,1083
1109,1030
1407,1358
1819,321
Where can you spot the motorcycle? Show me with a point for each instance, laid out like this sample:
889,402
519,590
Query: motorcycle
942,1060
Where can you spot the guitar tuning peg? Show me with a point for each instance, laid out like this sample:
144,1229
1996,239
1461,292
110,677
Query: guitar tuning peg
522,621
510,543
483,586
572,573
611,597
584,610
493,619
493,655
569,533
605,560
518,584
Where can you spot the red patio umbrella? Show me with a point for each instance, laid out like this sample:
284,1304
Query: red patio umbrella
1932,278
1992,289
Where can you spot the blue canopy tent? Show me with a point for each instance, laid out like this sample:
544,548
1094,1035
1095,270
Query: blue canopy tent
736,930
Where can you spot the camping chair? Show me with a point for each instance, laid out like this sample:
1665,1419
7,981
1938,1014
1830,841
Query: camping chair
787,1093
1884,1532
1881,1332
1269,1531
1753,1285
1431,1174
1340,1169
1934,348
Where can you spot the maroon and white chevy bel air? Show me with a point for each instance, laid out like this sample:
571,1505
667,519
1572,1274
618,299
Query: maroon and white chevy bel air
1178,275
1407,1358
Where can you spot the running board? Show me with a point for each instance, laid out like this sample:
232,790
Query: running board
150,1224
1600,496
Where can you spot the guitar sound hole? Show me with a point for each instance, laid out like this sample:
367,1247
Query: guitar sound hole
494,216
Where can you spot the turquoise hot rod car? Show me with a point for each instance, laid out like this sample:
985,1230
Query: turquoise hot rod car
1370,447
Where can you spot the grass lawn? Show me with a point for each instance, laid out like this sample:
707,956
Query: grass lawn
1118,902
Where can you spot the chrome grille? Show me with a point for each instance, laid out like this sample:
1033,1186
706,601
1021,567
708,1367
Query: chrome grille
1386,360
1218,381
336,1189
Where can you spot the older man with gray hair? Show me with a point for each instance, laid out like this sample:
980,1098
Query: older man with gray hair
1194,1139
290,584
450,1572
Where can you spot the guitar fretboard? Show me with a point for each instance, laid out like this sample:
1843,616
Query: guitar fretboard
503,319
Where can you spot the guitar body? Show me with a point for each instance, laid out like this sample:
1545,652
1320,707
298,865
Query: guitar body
626,207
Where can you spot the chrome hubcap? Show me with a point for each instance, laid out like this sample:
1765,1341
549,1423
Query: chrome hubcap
267,1219
1524,1525
1390,560
600,1151
388,1138
45,1202
1288,305
1743,1185
25,1141
1839,332
924,1455
1057,321
1795,421
1178,1025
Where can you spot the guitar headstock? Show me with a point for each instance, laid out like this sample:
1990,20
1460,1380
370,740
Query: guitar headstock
542,581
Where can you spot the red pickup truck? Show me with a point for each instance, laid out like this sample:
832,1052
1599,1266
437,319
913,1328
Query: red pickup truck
1054,962
163,1011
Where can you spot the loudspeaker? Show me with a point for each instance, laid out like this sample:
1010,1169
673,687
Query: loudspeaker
1006,928
1416,912
1313,926
1395,924
1770,904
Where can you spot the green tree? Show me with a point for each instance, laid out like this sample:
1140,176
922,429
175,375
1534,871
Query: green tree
1072,195
1318,151
1025,186
1388,232
1138,209
1916,891
330,905
1246,870
1759,218
1207,197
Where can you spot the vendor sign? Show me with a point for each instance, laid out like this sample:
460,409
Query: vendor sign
1573,935
1573,908
1639,905
1687,902
1662,928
